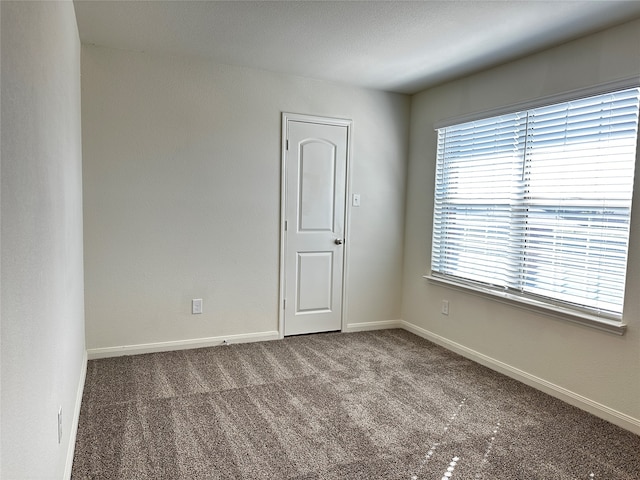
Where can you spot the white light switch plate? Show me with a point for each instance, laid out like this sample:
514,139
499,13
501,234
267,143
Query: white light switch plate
356,200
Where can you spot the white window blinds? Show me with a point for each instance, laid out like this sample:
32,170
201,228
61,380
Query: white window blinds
537,203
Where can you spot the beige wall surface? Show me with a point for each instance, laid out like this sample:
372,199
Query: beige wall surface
42,343
182,165
596,368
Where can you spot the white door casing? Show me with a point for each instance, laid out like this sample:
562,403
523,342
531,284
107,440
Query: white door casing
315,161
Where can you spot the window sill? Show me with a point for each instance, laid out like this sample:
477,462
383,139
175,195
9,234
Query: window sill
603,324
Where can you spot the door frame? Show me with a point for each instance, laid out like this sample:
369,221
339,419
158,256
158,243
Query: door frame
340,122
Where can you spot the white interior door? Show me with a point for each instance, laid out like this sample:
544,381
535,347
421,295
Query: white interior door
315,182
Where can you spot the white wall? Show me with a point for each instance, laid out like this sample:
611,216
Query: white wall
595,370
42,340
182,196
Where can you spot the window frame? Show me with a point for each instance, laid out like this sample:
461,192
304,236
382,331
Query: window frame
544,306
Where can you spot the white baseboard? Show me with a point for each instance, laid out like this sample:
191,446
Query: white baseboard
71,447
95,353
364,326
602,411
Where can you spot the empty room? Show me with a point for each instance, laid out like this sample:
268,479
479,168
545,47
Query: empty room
319,240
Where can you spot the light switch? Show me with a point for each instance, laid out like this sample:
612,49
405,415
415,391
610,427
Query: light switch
356,200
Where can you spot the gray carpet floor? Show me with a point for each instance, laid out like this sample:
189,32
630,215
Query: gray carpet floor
370,405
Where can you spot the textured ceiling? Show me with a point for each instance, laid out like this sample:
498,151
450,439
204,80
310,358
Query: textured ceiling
395,46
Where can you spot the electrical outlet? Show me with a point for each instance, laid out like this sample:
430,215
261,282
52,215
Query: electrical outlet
60,425
196,306
445,307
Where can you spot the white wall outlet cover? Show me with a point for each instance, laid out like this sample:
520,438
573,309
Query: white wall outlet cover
445,307
196,306
59,424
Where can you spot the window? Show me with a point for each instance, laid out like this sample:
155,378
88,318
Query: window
536,204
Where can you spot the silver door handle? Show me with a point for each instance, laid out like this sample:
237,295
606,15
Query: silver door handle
338,241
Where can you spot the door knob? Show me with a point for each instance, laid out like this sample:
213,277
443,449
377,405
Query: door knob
338,241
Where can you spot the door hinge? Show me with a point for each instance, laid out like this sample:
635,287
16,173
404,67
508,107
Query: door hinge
286,225
287,147
284,303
